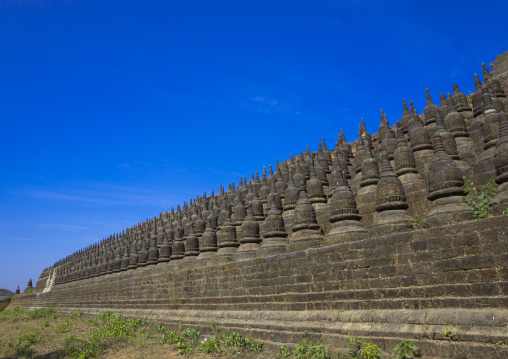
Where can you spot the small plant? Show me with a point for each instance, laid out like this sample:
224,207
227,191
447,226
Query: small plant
448,334
283,352
213,328
183,348
479,201
171,337
234,339
192,334
255,347
406,350
41,313
505,211
355,345
45,324
500,342
470,97
370,351
210,346
79,312
22,344
161,328
306,349
362,350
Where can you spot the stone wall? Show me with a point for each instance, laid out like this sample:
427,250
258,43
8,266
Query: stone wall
500,69
406,286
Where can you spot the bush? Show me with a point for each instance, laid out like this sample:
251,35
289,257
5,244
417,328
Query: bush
362,350
283,352
406,350
308,350
479,202
192,334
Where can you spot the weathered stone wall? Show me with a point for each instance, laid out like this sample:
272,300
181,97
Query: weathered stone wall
500,69
396,287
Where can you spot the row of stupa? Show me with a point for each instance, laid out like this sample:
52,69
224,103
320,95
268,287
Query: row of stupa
408,176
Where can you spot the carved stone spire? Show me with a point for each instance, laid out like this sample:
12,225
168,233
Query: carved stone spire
143,255
490,128
461,103
153,251
178,247
208,245
382,127
476,97
291,195
275,236
315,188
239,211
500,202
494,83
344,215
443,105
406,115
274,196
249,237
192,244
430,114
133,257
370,170
165,248
391,203
227,241
389,143
306,230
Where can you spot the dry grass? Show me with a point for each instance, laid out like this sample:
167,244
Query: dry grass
47,334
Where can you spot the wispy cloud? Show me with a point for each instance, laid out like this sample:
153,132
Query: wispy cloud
267,101
124,166
99,193
64,226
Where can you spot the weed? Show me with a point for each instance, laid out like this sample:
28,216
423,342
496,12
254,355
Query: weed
406,350
500,342
161,328
192,334
210,346
505,211
370,351
45,324
255,347
362,350
40,313
234,339
79,312
355,345
308,350
448,334
171,337
22,344
283,352
479,201
213,328
183,348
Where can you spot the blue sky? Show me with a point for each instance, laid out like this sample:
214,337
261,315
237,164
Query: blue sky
114,111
